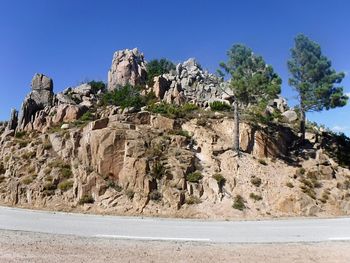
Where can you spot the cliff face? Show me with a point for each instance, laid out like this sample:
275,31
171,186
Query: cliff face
147,164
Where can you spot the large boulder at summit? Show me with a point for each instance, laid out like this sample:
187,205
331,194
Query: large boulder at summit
38,99
128,67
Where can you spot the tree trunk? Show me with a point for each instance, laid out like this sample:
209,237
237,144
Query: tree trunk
236,129
302,125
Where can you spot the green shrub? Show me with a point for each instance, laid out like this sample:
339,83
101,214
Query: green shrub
308,188
86,199
50,186
154,151
125,97
49,178
27,180
255,197
20,134
309,191
220,180
112,184
57,163
307,183
87,116
47,145
65,169
97,86
130,193
66,172
316,184
28,155
2,168
220,106
301,170
325,197
158,170
263,162
31,169
181,133
256,181
55,129
193,200
290,185
202,122
166,109
171,110
65,185
23,144
238,203
194,177
188,107
158,67
155,195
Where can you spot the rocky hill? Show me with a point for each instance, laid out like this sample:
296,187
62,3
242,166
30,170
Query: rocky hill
71,151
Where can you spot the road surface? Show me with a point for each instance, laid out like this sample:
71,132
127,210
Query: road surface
267,231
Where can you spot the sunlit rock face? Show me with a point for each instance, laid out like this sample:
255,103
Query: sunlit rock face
128,67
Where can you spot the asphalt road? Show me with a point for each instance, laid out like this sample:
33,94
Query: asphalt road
269,231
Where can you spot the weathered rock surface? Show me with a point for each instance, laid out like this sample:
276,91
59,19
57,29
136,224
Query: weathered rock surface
38,99
190,83
12,124
68,113
139,163
128,67
78,156
290,116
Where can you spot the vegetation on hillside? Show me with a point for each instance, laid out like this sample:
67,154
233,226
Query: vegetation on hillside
158,67
252,81
126,97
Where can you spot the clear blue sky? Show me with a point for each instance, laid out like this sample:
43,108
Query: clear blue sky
74,40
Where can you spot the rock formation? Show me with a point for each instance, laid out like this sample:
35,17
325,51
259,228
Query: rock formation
38,99
12,124
76,155
128,67
140,164
190,83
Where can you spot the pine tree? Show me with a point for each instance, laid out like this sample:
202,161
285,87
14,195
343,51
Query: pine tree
314,79
252,81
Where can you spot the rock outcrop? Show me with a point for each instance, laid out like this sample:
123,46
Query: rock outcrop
38,99
147,164
290,116
78,156
12,124
190,83
82,95
128,67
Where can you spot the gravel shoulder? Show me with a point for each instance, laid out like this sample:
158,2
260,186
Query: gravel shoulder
16,246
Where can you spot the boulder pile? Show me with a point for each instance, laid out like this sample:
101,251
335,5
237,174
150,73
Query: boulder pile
190,83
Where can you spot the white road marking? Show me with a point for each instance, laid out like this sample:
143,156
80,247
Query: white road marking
339,238
155,238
